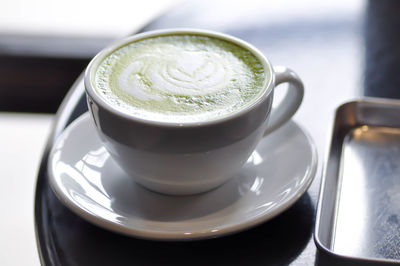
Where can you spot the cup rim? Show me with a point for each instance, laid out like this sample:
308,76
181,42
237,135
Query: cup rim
92,67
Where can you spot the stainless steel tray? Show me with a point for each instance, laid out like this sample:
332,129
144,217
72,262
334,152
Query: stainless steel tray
358,215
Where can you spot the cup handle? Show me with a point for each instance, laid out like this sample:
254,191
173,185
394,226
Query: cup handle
290,103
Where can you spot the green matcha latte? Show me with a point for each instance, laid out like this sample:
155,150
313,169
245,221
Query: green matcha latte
180,78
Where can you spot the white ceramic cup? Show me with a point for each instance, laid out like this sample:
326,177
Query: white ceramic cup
188,158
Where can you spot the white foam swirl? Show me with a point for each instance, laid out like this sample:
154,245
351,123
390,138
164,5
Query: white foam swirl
172,70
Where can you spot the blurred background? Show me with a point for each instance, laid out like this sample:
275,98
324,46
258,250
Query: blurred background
45,45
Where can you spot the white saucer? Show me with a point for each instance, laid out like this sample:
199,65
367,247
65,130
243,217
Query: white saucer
87,180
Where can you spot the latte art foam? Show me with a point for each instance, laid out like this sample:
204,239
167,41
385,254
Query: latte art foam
181,78
188,73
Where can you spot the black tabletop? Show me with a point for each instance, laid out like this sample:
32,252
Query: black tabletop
66,239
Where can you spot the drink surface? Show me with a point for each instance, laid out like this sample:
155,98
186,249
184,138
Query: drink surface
180,78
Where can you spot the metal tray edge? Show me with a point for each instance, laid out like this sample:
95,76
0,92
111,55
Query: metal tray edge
332,257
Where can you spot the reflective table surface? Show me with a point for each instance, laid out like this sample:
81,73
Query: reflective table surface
323,43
